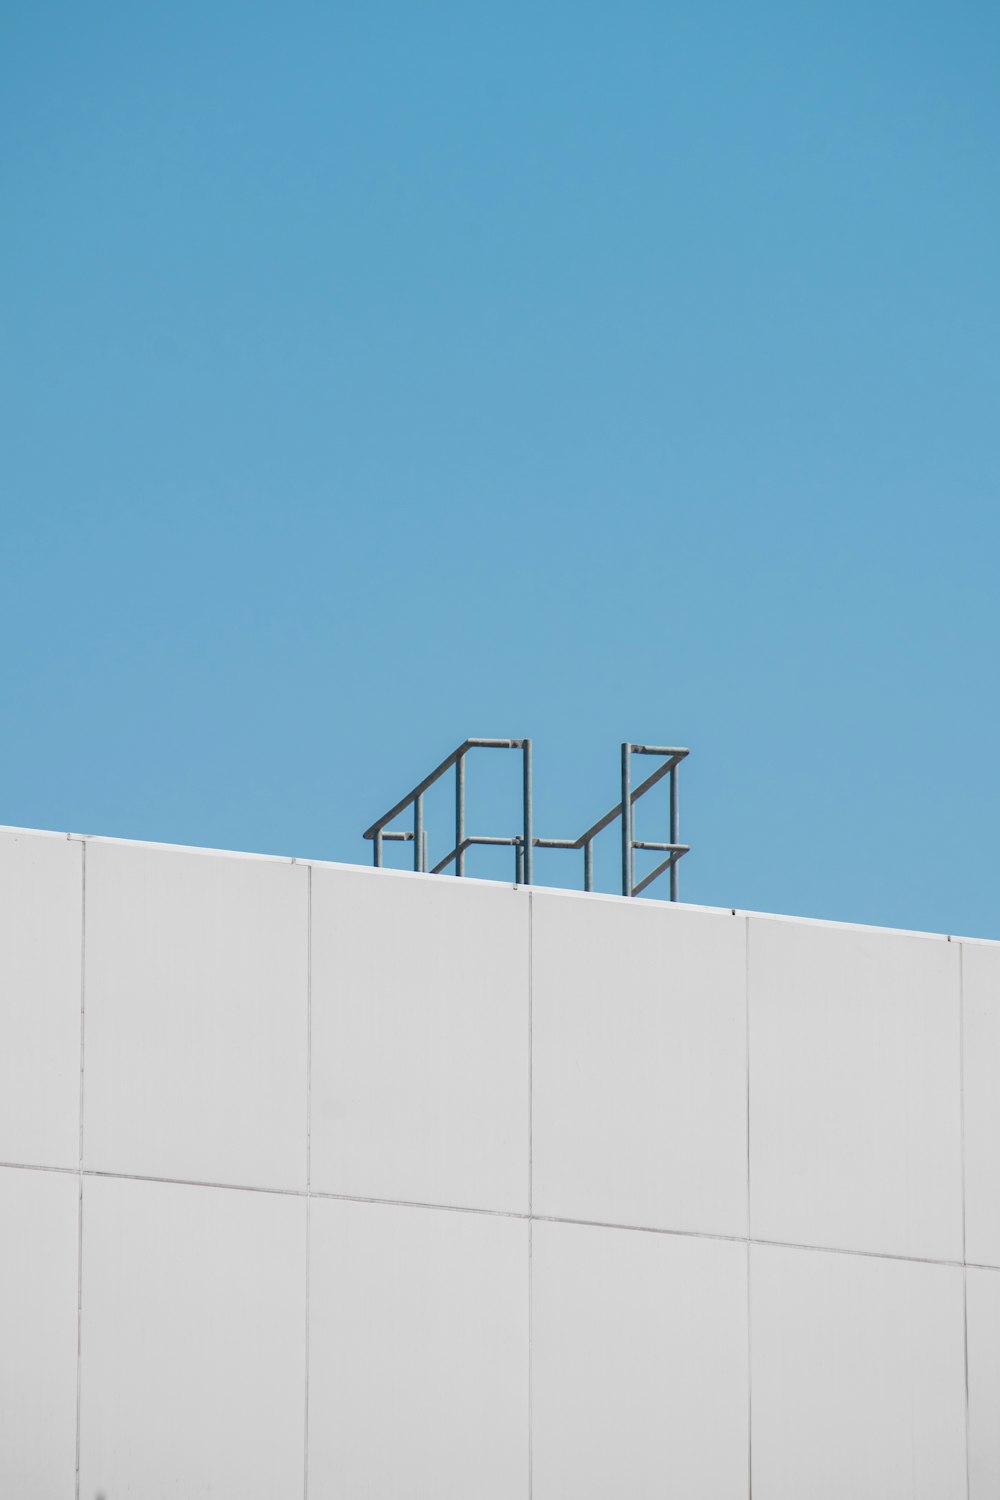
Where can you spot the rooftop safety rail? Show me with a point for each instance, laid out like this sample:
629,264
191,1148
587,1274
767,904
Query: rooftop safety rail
525,842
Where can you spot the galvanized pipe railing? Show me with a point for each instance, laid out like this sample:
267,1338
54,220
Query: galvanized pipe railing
525,842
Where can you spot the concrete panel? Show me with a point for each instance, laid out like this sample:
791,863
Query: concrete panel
639,1064
983,1293
639,1365
196,1007
855,1089
41,899
981,998
38,1296
857,1378
193,1339
420,1040
418,1382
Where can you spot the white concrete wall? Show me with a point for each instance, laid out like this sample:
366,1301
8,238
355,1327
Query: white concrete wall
323,1181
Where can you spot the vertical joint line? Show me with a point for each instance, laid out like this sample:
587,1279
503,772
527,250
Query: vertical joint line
309,967
965,1253
309,974
531,1187
746,1005
305,1418
749,1386
79,1211
531,1061
531,1362
961,1079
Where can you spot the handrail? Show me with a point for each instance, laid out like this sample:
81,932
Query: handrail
525,842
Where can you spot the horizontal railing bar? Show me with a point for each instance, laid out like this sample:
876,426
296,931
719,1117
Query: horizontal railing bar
405,838
661,848
674,750
439,771
494,744
555,843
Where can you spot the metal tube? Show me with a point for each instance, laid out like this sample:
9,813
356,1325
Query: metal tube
588,865
674,817
526,847
460,815
518,861
423,858
653,874
418,831
377,847
626,820
443,864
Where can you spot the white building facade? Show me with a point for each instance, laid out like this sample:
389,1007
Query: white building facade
356,1185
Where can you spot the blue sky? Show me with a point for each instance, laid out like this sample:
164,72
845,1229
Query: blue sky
374,375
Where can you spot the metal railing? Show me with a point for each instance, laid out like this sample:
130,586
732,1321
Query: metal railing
525,842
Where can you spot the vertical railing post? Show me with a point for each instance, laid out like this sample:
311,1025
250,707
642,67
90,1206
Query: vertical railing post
528,843
418,833
588,865
460,815
627,819
674,829
518,861
378,850
423,857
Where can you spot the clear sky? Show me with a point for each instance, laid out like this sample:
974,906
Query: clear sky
376,374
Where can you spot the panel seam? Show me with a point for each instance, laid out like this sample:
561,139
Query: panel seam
79,1211
746,983
531,1190
309,960
713,1236
965,1249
